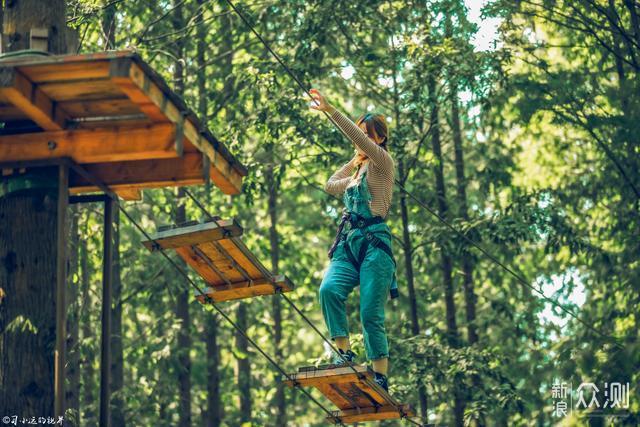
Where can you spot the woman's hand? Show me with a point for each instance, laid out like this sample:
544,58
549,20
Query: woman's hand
319,101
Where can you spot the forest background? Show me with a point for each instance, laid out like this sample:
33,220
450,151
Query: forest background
516,121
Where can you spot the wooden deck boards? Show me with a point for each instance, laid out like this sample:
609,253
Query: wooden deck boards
214,250
117,93
357,395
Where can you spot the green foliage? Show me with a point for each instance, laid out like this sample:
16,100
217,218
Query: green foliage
543,117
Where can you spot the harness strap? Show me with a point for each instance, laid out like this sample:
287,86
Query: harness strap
370,238
343,220
358,221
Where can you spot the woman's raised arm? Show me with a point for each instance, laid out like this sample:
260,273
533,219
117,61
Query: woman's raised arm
376,153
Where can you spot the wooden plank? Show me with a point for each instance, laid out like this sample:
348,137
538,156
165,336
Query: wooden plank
284,282
338,375
60,72
100,107
131,194
140,174
115,121
331,393
61,253
91,146
135,84
199,265
9,112
224,263
357,395
240,290
84,90
194,234
61,60
31,100
316,381
273,282
330,370
247,259
152,101
240,253
372,389
387,412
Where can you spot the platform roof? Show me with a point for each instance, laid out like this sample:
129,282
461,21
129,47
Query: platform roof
113,114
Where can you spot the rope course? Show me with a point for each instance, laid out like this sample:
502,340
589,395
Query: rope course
309,322
208,300
509,270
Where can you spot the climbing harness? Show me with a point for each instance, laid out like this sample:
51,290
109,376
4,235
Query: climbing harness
356,221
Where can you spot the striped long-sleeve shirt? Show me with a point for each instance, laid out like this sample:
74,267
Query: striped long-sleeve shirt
381,170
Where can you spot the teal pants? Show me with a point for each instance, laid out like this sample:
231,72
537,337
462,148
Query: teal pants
374,278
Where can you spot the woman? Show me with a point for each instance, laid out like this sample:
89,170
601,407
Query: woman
361,254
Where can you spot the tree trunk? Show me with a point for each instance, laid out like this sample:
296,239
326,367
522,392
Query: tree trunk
184,339
470,297
244,366
407,246
19,17
461,193
243,371
117,358
27,310
445,258
635,21
273,185
408,252
625,91
109,26
73,323
212,415
226,68
182,304
28,273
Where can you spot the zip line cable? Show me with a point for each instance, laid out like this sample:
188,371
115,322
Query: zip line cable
424,206
308,321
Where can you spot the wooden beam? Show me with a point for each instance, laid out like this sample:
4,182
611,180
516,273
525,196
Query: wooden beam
131,194
91,145
31,100
152,101
245,289
61,284
140,174
386,412
58,72
194,234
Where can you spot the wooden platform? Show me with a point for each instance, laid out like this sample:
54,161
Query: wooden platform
214,250
358,396
111,113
